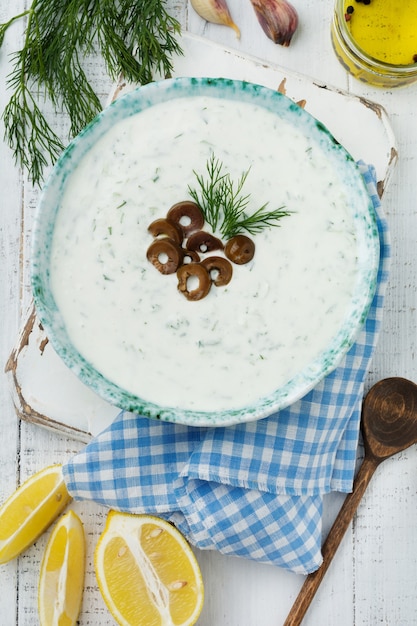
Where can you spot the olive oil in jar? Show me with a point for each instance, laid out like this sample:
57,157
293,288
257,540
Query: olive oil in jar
376,40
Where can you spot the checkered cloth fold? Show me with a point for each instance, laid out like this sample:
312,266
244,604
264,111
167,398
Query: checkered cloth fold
253,490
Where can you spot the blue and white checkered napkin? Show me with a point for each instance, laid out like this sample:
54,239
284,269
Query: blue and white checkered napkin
254,490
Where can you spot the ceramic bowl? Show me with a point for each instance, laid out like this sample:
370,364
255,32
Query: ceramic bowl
300,382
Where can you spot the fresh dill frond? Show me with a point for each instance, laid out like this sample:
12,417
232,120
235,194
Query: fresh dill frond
223,205
211,196
29,135
256,222
136,40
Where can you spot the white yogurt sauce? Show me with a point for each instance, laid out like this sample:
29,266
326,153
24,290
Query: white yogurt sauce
244,340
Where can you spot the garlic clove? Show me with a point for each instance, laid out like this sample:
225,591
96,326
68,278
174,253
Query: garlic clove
215,12
278,19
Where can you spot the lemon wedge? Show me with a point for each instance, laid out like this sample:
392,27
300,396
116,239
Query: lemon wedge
61,579
30,510
147,572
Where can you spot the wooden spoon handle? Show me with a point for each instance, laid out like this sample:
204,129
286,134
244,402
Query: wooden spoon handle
332,542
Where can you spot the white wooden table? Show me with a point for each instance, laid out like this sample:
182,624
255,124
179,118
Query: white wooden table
373,578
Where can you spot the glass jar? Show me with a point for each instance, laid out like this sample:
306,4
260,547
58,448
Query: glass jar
376,40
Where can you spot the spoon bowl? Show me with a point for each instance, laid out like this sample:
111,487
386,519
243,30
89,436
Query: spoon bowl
389,426
389,417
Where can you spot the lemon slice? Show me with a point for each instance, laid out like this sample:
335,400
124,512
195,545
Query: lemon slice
61,580
147,572
30,510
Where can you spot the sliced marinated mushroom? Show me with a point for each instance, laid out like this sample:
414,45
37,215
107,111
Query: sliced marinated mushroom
193,281
240,249
220,270
204,242
187,215
190,256
165,254
164,227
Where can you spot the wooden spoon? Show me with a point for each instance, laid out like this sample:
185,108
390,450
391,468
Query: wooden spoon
389,425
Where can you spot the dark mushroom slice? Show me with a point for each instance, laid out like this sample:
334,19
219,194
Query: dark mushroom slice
165,254
240,249
164,227
187,215
203,242
220,270
190,256
190,273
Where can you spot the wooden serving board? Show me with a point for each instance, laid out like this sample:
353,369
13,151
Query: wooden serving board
44,390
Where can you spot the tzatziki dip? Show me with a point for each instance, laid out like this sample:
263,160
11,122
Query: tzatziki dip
245,339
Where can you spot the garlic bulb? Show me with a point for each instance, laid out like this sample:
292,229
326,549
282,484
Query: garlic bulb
216,12
278,18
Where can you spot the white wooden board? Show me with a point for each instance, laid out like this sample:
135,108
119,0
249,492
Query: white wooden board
44,390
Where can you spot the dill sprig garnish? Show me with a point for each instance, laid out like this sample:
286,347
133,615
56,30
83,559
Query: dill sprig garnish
223,206
135,39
